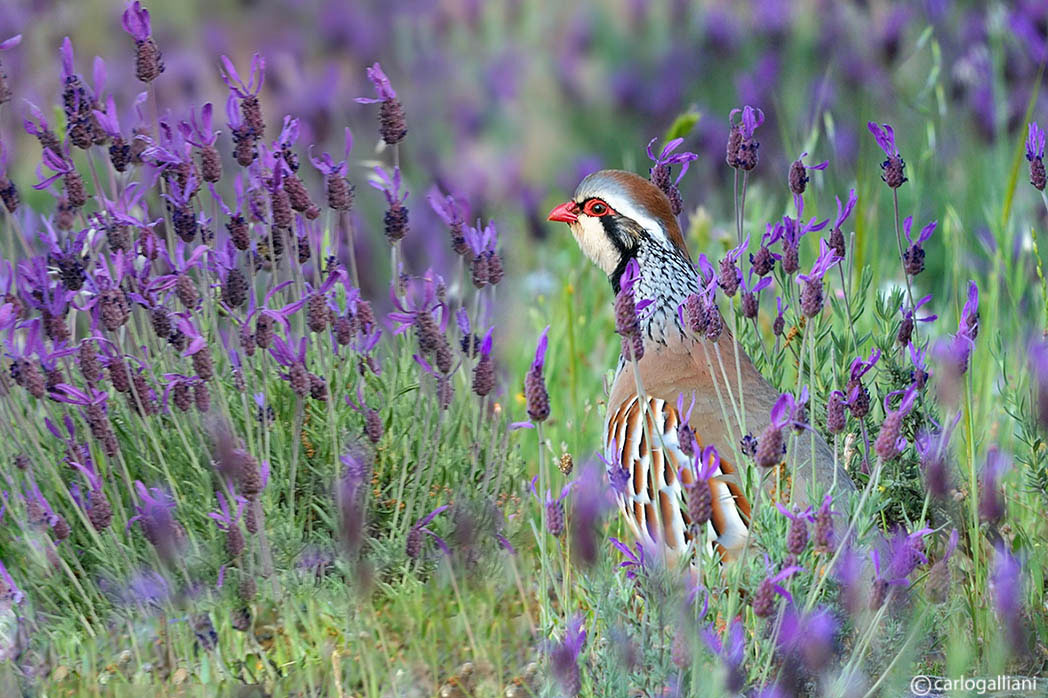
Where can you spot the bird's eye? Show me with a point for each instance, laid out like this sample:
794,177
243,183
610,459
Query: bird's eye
597,208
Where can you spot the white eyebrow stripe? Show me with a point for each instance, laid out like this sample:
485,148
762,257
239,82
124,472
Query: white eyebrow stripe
625,207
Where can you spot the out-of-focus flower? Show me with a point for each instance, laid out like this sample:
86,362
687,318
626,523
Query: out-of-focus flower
991,498
731,653
339,190
890,442
392,122
933,447
564,657
413,546
769,588
7,45
396,218
1035,154
155,516
149,63
1006,588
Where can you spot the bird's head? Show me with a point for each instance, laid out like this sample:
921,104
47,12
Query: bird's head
617,216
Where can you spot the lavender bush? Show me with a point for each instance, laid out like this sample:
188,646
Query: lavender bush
275,383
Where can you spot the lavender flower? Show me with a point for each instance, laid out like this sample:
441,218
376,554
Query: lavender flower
894,165
763,262
154,516
794,229
9,591
535,384
339,190
890,443
731,653
858,395
1006,587
396,218
771,446
149,62
824,534
729,274
769,588
392,122
742,147
564,657
836,417
811,283
749,303
1035,154
8,191
798,177
228,520
5,89
836,240
991,498
661,174
937,583
62,165
452,211
698,495
913,256
909,318
351,489
807,636
778,326
484,371
1038,352
250,109
797,538
203,136
627,322
413,546
485,267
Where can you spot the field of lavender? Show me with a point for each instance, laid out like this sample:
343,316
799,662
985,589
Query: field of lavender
302,395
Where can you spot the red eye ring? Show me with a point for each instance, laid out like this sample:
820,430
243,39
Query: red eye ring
596,207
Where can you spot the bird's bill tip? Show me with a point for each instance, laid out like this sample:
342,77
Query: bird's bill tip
564,213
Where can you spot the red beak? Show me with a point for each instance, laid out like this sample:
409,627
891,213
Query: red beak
565,213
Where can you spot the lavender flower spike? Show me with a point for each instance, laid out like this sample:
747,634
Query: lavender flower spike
396,218
742,147
913,256
661,175
535,382
564,657
149,62
798,178
392,122
836,240
811,289
894,165
6,45
1035,154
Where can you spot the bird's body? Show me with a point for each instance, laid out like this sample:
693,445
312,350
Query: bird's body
617,217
